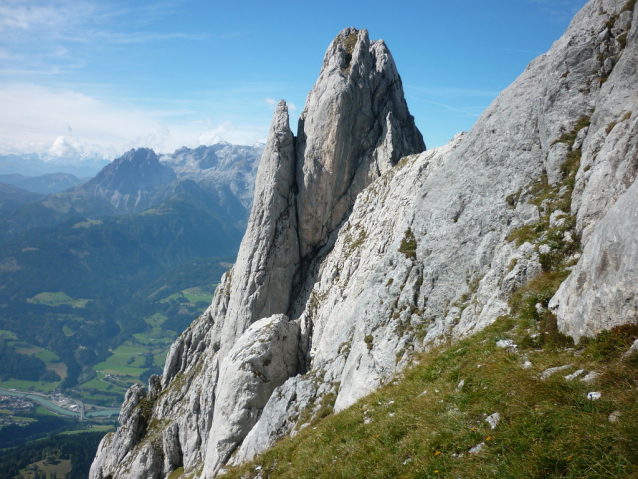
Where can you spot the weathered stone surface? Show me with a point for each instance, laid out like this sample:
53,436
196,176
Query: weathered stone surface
196,400
278,417
268,257
375,258
115,447
262,359
548,372
601,291
493,420
355,127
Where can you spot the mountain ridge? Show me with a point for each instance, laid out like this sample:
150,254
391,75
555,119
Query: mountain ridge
432,248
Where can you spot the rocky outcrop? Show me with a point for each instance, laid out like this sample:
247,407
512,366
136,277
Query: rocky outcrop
366,250
262,359
222,371
601,291
355,127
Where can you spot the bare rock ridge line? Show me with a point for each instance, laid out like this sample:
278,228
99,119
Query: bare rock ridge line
362,250
356,126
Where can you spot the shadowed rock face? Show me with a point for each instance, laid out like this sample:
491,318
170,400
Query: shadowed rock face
136,170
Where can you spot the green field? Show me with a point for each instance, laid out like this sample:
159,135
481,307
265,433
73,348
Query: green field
128,362
60,469
160,359
7,335
47,356
119,361
44,411
156,320
24,348
22,385
101,428
193,295
57,299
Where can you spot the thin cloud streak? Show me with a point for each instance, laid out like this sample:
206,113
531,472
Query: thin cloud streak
40,119
447,107
453,92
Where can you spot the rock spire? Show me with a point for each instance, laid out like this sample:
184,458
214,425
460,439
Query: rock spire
221,372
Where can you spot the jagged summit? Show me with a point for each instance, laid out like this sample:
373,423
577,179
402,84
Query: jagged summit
136,170
355,126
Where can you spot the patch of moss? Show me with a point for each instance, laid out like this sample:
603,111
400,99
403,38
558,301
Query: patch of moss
629,6
570,137
408,245
610,345
369,340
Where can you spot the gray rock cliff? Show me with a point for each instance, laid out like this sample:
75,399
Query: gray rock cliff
361,249
222,371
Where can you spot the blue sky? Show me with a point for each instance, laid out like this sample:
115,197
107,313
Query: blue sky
105,76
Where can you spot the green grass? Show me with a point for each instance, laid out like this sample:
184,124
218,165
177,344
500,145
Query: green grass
89,398
193,295
571,136
22,385
99,384
24,419
155,338
57,299
7,335
44,411
408,245
48,356
97,428
25,348
160,359
61,469
156,319
118,363
548,429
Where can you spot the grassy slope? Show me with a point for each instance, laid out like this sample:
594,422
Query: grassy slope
548,429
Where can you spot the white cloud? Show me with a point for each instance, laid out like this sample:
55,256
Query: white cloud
227,131
62,148
42,120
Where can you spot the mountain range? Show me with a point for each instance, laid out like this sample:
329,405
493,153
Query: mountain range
81,268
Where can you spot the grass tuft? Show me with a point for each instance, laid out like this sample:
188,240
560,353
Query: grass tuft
408,245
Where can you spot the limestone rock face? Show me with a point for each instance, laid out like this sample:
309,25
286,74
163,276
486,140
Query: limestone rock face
362,250
221,372
262,359
268,257
601,291
355,127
